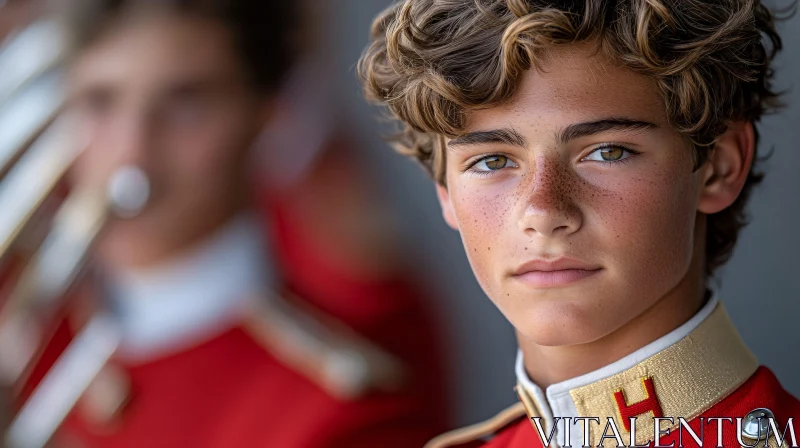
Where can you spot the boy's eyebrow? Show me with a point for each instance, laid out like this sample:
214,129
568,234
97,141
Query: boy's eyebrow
578,130
505,135
571,132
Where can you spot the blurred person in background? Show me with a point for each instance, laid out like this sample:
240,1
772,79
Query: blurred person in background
334,239
230,338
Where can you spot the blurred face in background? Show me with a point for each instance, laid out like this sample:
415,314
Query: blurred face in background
169,94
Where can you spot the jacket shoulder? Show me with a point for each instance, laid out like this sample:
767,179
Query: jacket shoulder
326,351
761,390
477,434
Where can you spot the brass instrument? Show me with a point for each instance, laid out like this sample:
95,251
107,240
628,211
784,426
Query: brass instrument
46,235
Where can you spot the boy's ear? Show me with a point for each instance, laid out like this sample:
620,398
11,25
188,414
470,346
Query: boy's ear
447,206
727,167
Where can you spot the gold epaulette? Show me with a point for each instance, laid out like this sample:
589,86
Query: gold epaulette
479,431
326,351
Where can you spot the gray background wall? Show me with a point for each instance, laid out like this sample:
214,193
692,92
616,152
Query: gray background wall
760,286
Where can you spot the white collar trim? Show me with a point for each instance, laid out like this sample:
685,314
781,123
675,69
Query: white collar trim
174,306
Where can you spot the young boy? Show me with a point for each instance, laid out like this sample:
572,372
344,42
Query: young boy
596,158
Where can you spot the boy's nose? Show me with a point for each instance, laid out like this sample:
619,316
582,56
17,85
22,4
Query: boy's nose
549,207
131,141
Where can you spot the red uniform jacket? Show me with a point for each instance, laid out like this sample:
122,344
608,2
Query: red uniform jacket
232,391
277,378
700,372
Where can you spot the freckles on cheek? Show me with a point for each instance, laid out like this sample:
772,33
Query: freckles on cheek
665,200
483,215
648,220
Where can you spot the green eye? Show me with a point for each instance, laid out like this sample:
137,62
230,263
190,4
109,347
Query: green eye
492,163
609,154
612,153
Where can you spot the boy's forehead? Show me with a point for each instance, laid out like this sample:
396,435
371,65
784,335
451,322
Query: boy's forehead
156,48
575,83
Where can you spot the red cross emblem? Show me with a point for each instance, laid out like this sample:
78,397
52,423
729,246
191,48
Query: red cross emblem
649,404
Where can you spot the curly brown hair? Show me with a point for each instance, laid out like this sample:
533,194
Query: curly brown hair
433,61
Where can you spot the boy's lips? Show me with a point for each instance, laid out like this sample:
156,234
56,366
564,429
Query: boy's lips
555,272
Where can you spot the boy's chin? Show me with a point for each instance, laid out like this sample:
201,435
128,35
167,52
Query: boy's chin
564,327
551,337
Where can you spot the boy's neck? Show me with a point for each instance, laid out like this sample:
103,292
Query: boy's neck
147,250
547,365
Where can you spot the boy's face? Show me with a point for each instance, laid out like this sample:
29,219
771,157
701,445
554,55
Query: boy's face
584,171
168,94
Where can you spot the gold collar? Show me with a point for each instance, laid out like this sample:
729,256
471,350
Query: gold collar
682,374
